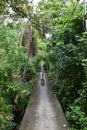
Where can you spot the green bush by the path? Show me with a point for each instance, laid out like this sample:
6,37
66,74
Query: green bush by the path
68,75
66,61
67,69
12,61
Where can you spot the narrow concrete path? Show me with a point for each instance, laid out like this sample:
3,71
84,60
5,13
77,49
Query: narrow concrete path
44,111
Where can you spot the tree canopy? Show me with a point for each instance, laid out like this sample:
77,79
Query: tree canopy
64,53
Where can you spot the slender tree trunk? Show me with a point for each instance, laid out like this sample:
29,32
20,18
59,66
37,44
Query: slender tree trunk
29,53
25,67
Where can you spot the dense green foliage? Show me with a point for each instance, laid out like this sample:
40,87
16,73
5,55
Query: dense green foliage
42,47
67,59
14,94
67,71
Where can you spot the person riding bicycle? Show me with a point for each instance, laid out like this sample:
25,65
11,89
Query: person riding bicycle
42,80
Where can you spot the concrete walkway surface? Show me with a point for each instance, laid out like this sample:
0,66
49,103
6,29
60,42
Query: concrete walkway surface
43,111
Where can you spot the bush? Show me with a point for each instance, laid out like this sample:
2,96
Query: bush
77,119
14,94
68,74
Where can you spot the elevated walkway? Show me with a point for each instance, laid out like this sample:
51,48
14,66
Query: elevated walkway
43,111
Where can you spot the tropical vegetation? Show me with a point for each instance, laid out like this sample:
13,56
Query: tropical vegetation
56,34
